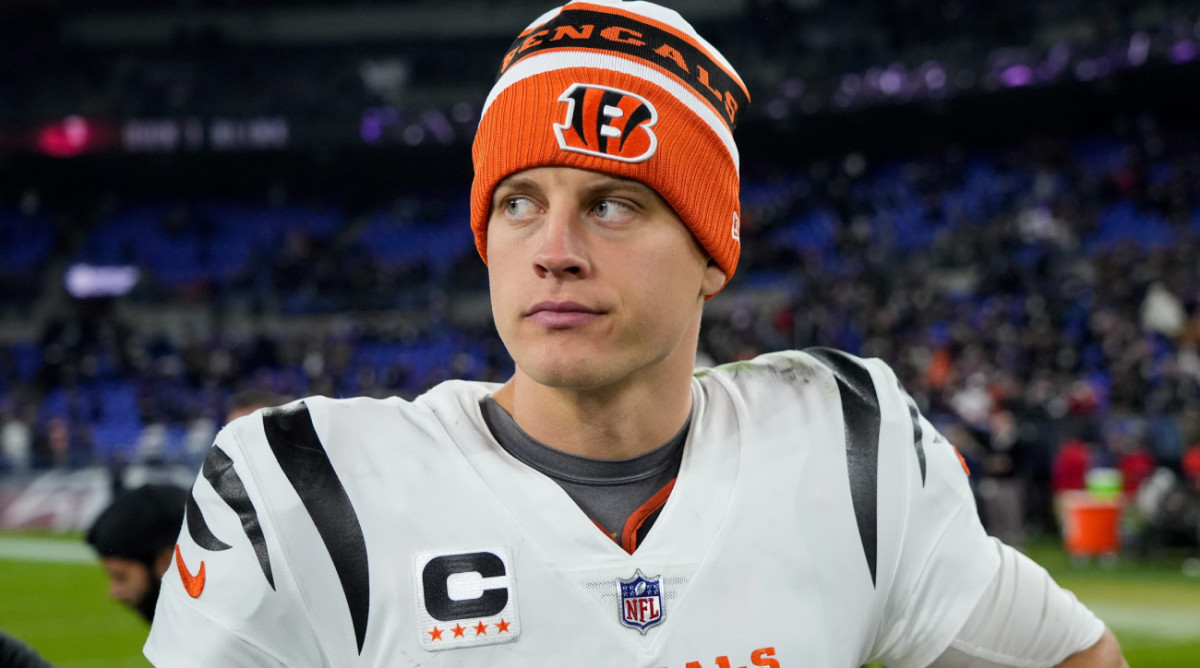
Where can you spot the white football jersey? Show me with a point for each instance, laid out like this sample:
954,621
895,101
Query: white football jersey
817,521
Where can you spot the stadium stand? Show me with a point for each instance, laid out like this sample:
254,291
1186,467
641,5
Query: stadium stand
1042,279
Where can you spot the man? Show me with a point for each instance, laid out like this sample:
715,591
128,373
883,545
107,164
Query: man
607,506
135,539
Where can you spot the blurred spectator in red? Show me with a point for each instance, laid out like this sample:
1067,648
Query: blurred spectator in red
1191,466
1071,465
1083,399
1069,474
1136,464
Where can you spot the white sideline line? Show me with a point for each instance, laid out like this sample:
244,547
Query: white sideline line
1175,622
45,550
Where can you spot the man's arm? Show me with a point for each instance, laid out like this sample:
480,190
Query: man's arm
1104,654
1025,619
960,598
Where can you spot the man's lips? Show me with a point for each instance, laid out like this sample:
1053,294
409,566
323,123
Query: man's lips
561,315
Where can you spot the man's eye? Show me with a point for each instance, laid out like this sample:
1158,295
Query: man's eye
517,206
609,209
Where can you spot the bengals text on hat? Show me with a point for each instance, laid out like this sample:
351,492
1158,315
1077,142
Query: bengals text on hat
673,54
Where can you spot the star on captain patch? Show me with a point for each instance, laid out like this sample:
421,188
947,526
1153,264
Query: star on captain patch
641,601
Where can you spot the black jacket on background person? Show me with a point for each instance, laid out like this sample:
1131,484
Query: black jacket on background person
16,654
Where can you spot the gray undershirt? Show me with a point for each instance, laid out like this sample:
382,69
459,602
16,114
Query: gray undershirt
608,491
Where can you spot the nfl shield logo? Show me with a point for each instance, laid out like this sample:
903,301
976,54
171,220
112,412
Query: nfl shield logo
641,602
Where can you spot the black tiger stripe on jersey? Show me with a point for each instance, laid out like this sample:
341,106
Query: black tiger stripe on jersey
218,470
198,527
297,448
860,414
918,433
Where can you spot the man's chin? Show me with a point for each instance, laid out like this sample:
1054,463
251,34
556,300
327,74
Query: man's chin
145,606
577,375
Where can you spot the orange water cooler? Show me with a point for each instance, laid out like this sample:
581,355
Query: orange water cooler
1092,526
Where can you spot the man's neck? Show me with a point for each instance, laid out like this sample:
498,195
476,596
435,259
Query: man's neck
607,423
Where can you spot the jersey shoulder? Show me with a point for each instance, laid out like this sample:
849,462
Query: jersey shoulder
322,409
779,378
347,424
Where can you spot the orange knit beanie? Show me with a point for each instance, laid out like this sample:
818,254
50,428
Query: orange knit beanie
625,88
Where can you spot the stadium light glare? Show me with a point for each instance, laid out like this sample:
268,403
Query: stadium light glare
934,75
84,281
66,138
1184,52
891,82
1139,49
1017,76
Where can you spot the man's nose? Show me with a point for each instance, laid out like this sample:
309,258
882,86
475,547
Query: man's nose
562,249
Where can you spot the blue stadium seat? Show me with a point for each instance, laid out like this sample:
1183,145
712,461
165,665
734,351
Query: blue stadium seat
24,242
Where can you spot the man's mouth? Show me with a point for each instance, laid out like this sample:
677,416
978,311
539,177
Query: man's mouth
562,315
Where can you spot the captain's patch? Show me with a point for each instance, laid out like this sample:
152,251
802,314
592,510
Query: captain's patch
466,599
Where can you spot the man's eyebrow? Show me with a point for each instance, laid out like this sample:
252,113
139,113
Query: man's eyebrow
603,187
517,183
618,185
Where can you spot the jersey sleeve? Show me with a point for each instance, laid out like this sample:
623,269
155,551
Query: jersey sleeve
228,598
1024,620
941,559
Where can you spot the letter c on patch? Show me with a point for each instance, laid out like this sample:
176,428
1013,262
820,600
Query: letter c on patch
435,579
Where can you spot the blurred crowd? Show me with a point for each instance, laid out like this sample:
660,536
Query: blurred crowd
1040,302
805,57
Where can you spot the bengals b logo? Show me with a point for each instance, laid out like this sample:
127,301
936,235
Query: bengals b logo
607,122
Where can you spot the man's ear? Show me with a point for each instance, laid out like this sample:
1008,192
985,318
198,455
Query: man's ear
714,279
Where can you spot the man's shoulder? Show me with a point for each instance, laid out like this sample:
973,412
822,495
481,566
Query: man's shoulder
797,368
345,428
311,409
803,389
329,412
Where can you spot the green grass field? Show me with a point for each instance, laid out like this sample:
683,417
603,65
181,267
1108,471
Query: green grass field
61,607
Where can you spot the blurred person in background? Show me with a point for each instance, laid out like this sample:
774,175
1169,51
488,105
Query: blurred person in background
1191,466
61,443
135,538
608,505
246,401
16,439
1002,487
1170,507
1169,502
16,654
1069,475
1135,463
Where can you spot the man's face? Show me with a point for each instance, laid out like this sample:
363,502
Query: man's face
594,279
132,583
